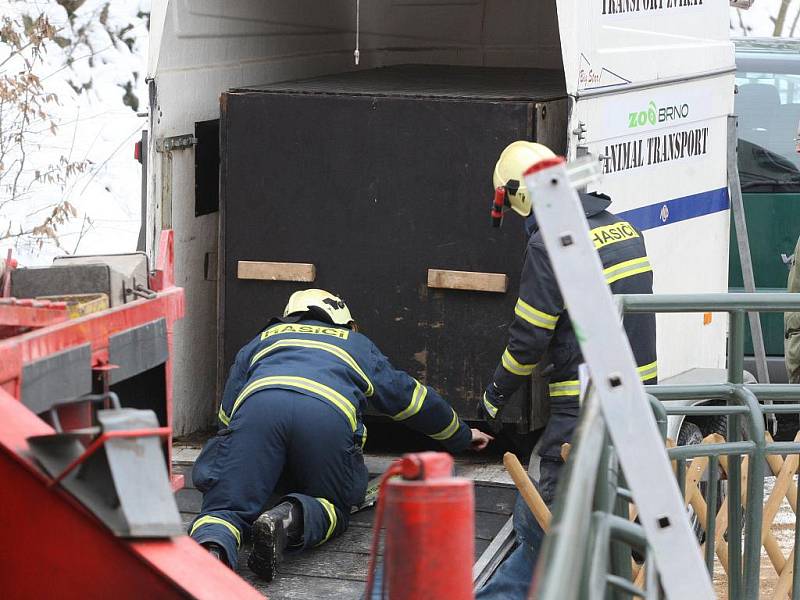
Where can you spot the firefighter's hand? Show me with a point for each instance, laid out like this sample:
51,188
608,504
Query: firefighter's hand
491,405
479,440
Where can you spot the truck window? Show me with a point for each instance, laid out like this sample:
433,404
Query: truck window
206,167
768,106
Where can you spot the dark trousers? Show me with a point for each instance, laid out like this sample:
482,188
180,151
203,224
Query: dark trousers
559,429
512,579
278,435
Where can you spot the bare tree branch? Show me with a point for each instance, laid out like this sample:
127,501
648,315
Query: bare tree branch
745,30
23,102
781,18
35,187
794,23
85,227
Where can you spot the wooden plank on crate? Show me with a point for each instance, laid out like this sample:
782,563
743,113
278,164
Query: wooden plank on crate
467,280
276,271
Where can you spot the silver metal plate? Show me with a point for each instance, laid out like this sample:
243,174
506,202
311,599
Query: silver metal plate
495,553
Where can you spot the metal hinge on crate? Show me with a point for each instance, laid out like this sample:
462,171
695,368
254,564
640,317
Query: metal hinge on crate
176,142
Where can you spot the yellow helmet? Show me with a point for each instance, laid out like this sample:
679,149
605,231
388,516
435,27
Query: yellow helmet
513,162
330,304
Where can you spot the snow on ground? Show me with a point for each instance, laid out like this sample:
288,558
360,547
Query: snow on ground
782,529
96,125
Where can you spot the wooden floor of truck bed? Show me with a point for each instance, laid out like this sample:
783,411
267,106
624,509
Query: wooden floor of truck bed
338,569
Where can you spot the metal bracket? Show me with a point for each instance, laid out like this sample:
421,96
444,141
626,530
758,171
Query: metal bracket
141,291
176,142
165,146
625,407
120,476
580,132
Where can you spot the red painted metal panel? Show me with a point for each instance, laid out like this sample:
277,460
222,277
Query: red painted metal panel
94,329
29,313
97,328
17,425
54,546
56,549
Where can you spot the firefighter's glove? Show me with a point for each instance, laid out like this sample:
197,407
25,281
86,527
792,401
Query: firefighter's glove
492,406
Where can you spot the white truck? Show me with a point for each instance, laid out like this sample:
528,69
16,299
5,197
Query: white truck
646,85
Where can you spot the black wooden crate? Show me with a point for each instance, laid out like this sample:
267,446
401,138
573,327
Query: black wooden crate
375,177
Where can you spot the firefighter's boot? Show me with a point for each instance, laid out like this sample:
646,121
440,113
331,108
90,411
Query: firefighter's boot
275,530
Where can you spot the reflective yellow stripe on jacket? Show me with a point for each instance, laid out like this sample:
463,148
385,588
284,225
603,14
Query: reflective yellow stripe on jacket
301,383
317,345
573,386
417,398
627,268
363,436
448,431
565,388
534,316
649,371
512,365
490,408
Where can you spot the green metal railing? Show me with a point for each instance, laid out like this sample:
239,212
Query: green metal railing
587,553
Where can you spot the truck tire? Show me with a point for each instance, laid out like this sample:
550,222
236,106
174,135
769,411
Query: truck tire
690,433
718,424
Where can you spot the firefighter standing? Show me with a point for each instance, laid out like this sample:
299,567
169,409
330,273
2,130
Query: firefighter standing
541,336
291,409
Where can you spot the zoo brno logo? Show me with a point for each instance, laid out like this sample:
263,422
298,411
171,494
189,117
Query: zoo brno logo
655,114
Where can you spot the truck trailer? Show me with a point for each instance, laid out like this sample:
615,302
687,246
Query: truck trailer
328,144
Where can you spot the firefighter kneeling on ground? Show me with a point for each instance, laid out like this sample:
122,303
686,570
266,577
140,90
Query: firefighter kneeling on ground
291,411
542,328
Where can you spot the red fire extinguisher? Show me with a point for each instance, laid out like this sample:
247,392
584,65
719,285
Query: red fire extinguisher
429,519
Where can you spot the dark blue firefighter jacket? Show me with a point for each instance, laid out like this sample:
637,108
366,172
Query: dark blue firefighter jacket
344,368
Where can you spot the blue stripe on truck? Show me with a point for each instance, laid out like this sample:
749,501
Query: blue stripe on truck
677,209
